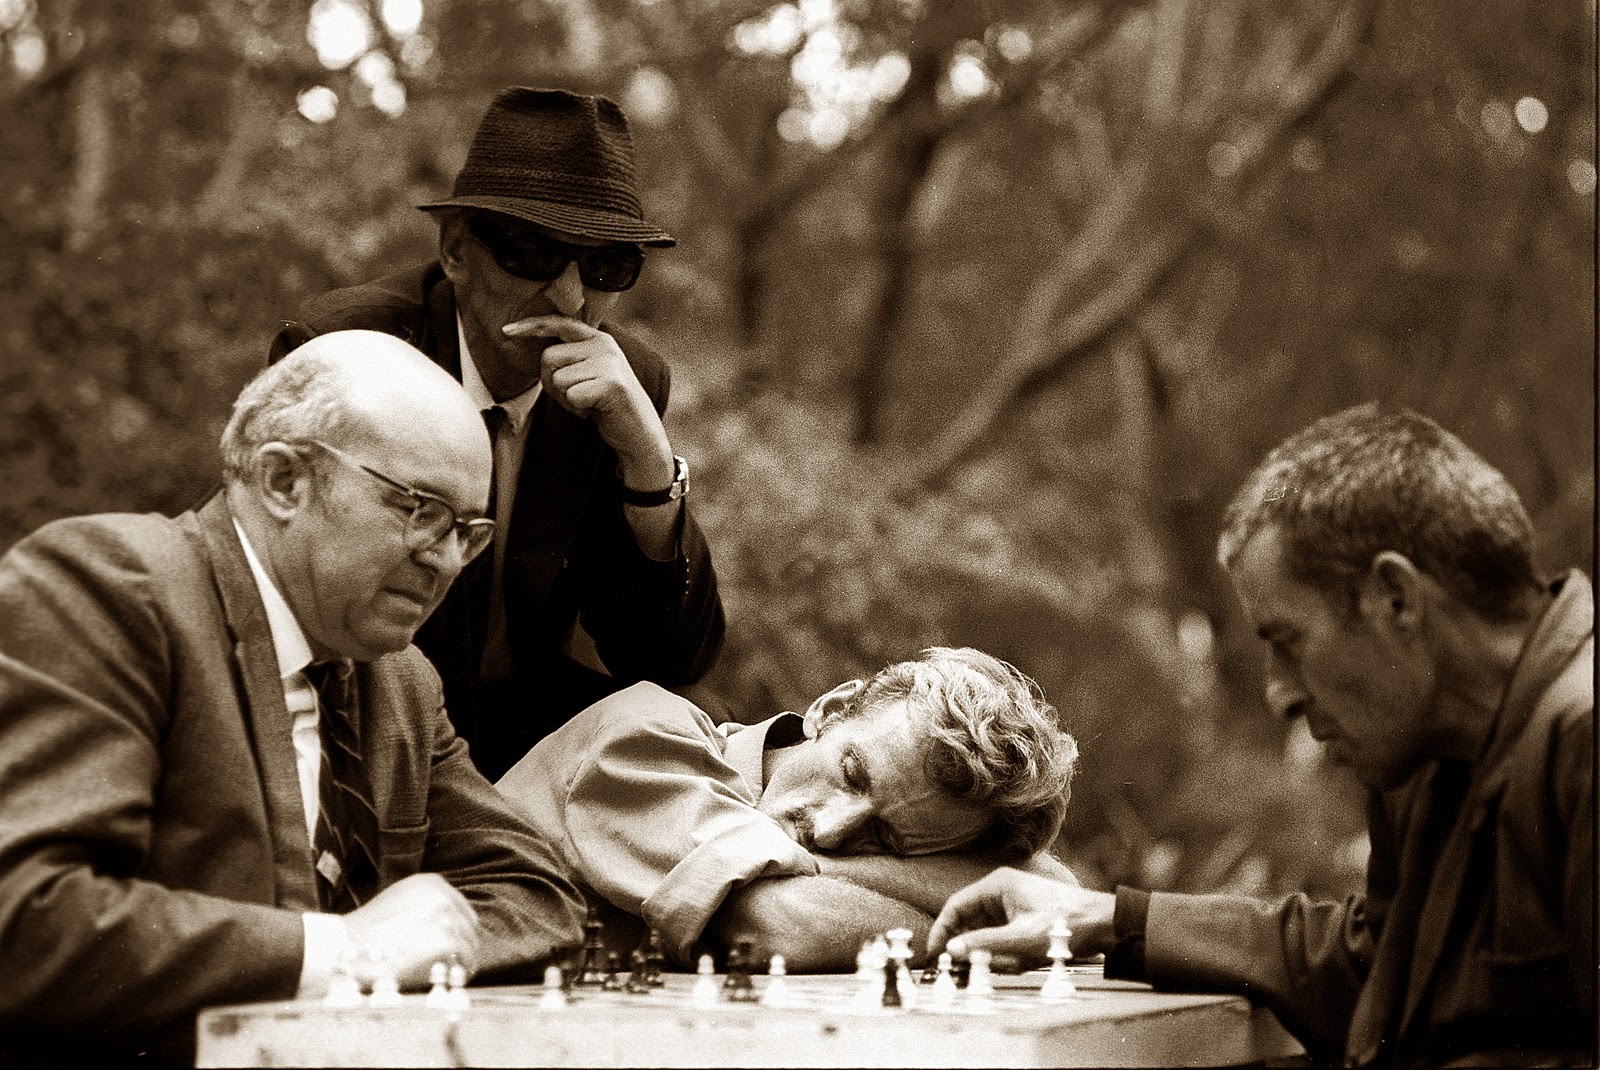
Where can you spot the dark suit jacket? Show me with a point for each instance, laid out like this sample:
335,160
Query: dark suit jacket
1475,939
569,550
153,849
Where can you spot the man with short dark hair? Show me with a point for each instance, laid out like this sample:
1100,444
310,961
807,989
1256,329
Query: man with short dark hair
226,774
1390,572
597,555
805,835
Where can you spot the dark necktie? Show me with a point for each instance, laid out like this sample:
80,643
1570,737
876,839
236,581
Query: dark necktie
347,825
494,418
488,602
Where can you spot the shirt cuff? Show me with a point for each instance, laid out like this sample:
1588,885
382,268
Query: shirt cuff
327,938
1125,960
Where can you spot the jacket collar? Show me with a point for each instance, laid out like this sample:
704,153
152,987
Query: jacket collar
1558,636
263,707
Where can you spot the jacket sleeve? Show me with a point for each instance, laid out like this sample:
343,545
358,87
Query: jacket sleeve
86,668
650,620
529,910
1303,958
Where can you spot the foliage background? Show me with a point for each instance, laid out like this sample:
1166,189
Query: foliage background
981,309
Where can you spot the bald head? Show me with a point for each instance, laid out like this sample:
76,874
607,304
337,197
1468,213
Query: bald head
350,387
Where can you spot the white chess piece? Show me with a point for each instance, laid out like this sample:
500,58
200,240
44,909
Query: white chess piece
343,989
438,992
705,992
456,995
777,993
1058,986
554,997
385,985
943,993
980,987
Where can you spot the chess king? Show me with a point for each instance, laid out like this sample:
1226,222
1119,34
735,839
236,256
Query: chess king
225,768
1390,571
803,834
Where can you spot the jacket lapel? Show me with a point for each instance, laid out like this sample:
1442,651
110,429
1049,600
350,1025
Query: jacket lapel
265,713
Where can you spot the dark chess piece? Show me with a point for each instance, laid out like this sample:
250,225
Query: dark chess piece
612,983
638,972
592,964
891,984
655,960
739,987
961,970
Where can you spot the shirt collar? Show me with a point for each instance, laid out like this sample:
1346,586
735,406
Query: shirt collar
517,408
746,746
288,638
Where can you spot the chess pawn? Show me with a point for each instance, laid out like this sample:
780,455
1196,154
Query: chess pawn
980,988
943,993
343,988
1058,986
777,993
554,996
869,981
385,985
612,982
438,992
638,972
456,998
704,993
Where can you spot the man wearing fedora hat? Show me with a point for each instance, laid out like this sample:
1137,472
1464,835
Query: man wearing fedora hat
595,543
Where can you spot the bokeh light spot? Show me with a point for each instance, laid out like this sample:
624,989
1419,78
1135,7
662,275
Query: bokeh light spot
1532,115
1581,176
319,104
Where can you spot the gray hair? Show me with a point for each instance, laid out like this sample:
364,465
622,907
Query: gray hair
1374,478
993,741
301,397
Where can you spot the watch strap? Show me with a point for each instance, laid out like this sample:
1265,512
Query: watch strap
670,493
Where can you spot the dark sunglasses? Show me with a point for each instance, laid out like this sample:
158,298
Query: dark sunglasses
532,256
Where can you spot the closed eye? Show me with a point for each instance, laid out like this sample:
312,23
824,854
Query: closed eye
853,767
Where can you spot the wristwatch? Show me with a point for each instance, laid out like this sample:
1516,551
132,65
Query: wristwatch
671,493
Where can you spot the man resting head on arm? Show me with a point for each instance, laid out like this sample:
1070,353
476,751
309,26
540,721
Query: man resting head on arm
805,835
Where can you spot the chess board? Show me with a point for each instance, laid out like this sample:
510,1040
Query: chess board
1108,1023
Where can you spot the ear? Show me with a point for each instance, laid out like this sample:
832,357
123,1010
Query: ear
824,708
1394,593
282,480
452,245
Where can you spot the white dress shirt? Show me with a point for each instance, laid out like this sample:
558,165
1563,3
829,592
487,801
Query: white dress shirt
326,936
508,447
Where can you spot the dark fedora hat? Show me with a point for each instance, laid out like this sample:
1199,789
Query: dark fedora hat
559,159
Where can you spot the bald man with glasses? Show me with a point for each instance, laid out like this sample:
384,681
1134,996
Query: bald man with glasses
227,774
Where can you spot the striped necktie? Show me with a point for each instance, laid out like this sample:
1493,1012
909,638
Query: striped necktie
347,825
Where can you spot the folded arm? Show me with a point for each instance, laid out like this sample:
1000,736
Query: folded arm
927,881
817,924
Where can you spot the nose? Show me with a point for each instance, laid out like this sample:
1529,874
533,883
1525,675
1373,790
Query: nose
836,821
565,291
1286,696
445,555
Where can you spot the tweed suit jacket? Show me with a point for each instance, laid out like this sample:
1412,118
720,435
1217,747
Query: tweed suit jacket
1475,940
569,551
153,849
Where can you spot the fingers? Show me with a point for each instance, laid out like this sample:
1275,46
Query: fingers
1027,938
979,904
550,326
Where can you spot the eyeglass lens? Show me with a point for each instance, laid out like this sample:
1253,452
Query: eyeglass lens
431,520
532,256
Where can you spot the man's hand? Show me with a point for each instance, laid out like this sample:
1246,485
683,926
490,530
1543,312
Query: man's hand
588,375
412,924
1011,912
